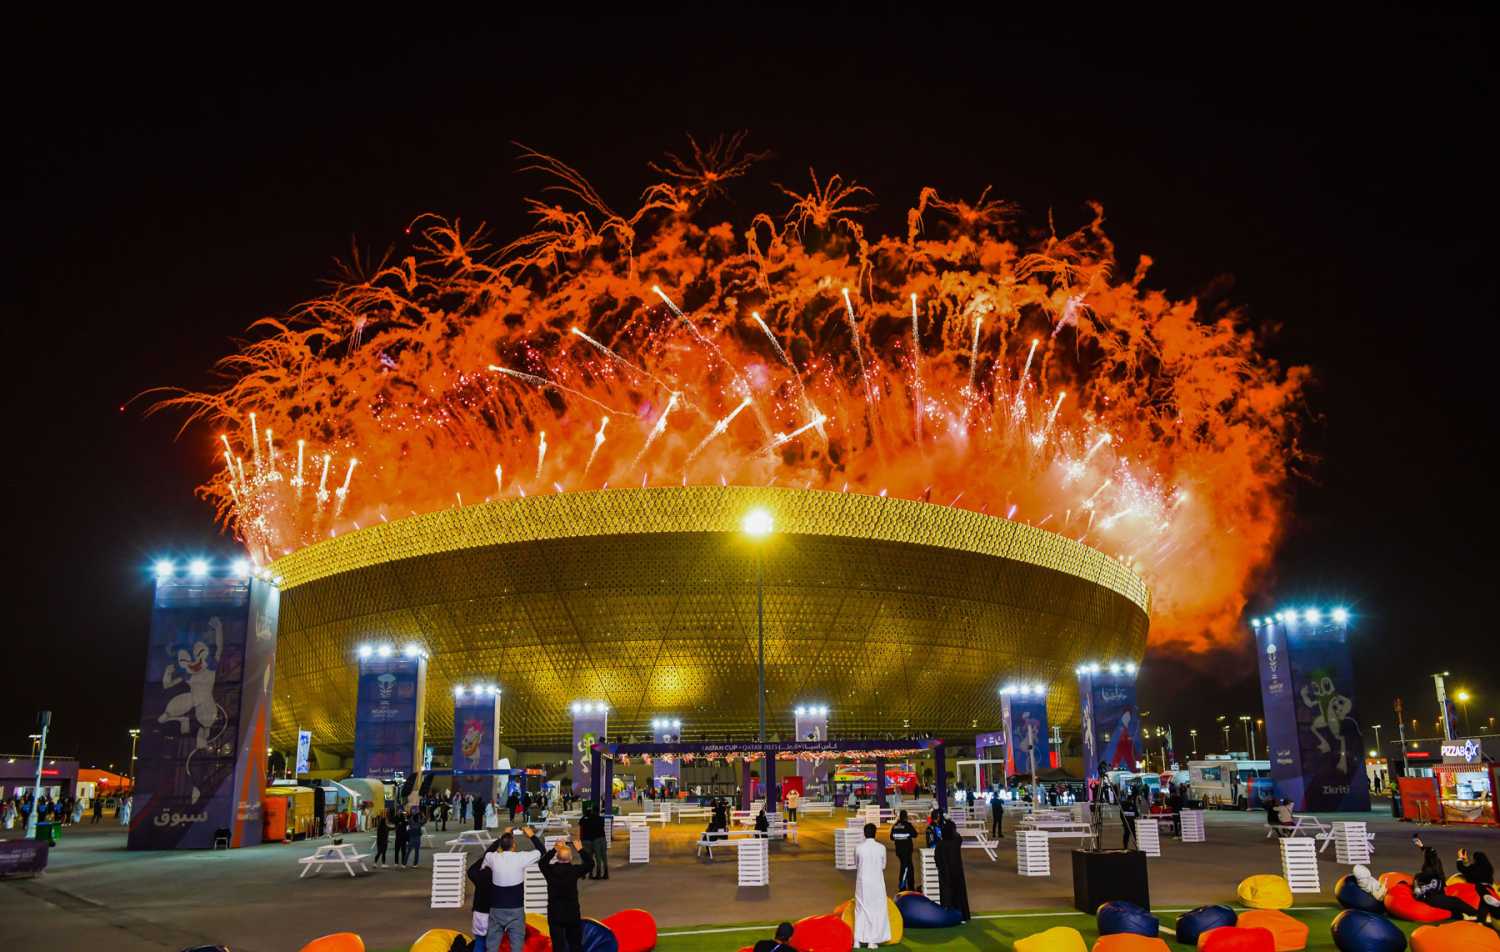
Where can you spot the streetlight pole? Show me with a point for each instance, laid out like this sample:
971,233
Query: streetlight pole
135,735
1463,702
36,788
1376,728
758,524
1193,733
1249,737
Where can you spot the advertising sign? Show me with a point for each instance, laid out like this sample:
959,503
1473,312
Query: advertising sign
811,725
1111,725
304,750
590,725
205,713
1025,718
1307,688
666,769
388,717
990,746
476,739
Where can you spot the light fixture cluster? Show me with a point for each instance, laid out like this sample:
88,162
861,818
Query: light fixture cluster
666,723
1307,616
1113,667
203,568
590,707
814,710
1022,689
411,650
478,690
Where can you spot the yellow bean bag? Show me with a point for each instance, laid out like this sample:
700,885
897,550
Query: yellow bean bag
338,942
1267,891
538,922
1290,935
436,940
845,911
1056,939
1456,937
1130,942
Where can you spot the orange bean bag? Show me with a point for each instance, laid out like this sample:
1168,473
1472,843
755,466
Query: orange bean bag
1464,892
338,942
1130,942
1237,939
1455,937
634,928
1390,879
1290,935
1400,903
822,934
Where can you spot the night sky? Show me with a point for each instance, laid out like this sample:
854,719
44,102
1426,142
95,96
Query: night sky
1329,177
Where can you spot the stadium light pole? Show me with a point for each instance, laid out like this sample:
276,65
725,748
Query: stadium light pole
1249,736
757,525
1193,733
1376,728
135,735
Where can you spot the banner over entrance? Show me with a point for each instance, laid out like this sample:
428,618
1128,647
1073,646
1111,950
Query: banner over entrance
1111,721
389,711
205,714
590,725
1307,687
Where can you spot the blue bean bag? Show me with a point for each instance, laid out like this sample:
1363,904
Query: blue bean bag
919,912
1121,916
597,937
1195,922
1355,930
1351,896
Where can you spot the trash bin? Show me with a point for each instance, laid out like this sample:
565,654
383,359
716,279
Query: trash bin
49,832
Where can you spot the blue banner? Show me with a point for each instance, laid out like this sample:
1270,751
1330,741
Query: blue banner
1307,687
1111,721
388,717
476,740
205,713
304,751
1025,719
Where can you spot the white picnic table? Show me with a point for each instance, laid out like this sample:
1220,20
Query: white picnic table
1304,824
467,838
734,838
334,854
972,836
1060,828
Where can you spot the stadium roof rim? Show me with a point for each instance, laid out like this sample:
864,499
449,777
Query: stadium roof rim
718,509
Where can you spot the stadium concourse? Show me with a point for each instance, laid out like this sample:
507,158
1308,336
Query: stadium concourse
101,896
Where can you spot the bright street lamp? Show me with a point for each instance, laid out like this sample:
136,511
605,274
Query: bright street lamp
1194,735
1249,735
135,735
1462,697
757,525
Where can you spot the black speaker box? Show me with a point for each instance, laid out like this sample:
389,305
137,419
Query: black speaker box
1106,875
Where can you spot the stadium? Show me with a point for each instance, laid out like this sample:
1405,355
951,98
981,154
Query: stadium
903,617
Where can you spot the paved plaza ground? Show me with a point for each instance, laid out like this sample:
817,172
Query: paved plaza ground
97,895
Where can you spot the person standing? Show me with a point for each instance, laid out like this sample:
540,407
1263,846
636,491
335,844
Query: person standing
414,836
793,800
479,803
400,839
997,816
904,838
872,918
1129,810
484,887
592,829
508,897
382,839
562,867
442,815
950,868
98,810
513,804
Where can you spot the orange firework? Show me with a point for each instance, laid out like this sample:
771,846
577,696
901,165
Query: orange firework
961,363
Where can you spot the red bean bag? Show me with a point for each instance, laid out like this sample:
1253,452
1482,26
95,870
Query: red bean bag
822,934
1400,903
1464,892
1390,879
634,928
1237,939
535,941
1456,937
1130,942
1289,934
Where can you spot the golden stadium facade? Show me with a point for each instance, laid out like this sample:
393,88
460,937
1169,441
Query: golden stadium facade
901,616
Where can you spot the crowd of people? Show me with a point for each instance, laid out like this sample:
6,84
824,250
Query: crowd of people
1428,884
65,810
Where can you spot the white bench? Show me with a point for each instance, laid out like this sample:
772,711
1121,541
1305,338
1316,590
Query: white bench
815,808
707,841
1061,829
692,812
342,854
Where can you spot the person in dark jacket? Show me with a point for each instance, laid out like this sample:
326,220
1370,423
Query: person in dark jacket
1427,887
904,837
484,885
591,828
952,886
479,805
382,840
997,815
400,838
563,867
762,823
513,804
782,942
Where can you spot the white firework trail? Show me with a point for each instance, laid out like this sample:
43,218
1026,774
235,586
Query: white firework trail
545,383
916,368
343,491
598,442
541,456
661,425
807,404
973,371
718,428
864,377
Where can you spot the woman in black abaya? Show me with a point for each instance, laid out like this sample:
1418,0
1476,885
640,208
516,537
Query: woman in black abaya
950,868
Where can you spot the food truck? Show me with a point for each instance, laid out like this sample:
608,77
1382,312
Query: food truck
1466,782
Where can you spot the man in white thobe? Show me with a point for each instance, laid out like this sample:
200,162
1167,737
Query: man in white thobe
872,919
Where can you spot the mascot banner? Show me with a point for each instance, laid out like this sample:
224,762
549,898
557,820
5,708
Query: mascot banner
1307,687
205,715
388,717
590,724
666,771
1025,719
811,724
476,740
1111,725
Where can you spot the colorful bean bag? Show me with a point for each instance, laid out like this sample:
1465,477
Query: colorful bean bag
1121,916
535,941
1351,895
1056,939
822,934
437,940
596,937
338,942
845,912
1456,937
1465,892
1357,931
1129,942
1290,935
1390,879
1237,939
1266,891
1193,923
919,912
539,922
1400,903
634,928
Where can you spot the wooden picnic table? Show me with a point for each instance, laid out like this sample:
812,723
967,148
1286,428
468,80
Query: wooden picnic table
334,854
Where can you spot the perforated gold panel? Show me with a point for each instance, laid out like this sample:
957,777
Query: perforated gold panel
900,616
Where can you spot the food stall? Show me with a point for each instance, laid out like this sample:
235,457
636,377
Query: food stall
289,812
1466,783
